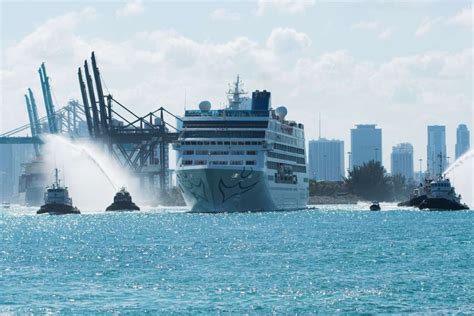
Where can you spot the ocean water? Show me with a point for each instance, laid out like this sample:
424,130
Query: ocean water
337,259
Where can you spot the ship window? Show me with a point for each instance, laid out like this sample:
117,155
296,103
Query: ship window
289,148
241,143
247,143
206,143
213,143
200,162
224,134
254,143
188,152
199,143
299,160
202,152
218,152
238,152
193,143
251,152
250,162
218,162
226,143
233,143
187,162
219,143
236,162
277,165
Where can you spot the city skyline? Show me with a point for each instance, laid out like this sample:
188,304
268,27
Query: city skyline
462,133
329,58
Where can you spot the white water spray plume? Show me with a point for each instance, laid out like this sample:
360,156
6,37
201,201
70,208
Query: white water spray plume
461,175
91,175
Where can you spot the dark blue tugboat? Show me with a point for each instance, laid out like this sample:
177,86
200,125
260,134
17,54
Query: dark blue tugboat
57,200
441,196
122,202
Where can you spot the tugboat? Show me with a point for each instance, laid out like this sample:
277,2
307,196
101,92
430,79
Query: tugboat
375,206
441,196
57,200
122,202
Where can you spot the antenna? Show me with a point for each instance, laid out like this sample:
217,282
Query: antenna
56,176
184,99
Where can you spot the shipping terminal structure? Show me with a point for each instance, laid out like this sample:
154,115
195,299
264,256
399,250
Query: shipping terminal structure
246,157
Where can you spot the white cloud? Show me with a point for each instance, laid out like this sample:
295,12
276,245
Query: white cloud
37,44
131,8
284,40
463,18
283,6
374,26
426,25
386,33
224,14
366,25
154,68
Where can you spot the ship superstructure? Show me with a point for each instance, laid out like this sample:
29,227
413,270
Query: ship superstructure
246,157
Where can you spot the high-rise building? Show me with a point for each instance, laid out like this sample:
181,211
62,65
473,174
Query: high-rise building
326,160
436,150
366,144
402,160
462,140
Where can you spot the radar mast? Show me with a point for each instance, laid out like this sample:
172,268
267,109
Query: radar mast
234,95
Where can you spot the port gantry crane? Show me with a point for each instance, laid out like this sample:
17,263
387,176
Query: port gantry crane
140,143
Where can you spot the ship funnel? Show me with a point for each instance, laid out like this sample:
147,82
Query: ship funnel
261,100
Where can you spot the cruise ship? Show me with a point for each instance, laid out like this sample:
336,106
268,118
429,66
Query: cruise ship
246,157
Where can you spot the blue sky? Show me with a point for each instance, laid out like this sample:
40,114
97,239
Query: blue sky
402,65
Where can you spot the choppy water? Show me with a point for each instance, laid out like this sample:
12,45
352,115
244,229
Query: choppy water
340,259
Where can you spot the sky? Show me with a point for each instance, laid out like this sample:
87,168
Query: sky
402,65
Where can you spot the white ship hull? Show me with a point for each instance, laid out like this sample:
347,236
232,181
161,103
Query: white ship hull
237,190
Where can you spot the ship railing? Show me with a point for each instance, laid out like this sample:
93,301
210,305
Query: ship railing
229,113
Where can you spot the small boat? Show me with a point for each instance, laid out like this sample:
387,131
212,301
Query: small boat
57,200
441,196
122,202
375,206
5,205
